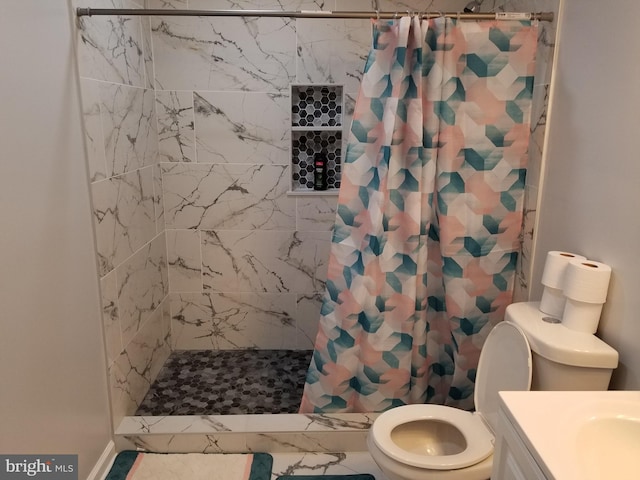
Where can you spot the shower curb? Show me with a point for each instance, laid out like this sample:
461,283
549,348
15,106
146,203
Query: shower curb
345,432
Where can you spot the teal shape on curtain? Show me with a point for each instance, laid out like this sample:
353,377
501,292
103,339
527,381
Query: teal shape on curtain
500,282
393,282
451,268
359,131
375,246
397,199
500,39
495,135
347,216
445,112
458,94
428,218
508,201
515,112
491,224
391,359
370,322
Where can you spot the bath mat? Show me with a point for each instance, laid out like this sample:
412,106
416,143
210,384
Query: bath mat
361,476
130,465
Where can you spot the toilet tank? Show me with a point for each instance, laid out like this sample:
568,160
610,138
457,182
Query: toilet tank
563,359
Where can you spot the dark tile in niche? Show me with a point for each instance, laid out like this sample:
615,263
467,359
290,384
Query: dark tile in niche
228,382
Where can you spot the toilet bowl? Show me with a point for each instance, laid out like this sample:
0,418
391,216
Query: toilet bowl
420,442
423,442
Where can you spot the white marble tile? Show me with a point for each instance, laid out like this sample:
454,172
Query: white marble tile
545,53
538,132
110,318
129,126
349,108
176,138
158,198
185,261
348,462
227,196
124,217
110,48
280,423
332,51
306,442
264,261
142,286
150,348
121,390
207,53
241,127
179,443
138,365
93,129
230,321
523,267
182,424
307,319
316,212
145,24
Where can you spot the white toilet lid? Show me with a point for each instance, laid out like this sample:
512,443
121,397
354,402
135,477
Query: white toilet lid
504,365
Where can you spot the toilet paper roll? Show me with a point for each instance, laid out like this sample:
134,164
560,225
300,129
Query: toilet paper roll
581,316
553,300
555,266
586,281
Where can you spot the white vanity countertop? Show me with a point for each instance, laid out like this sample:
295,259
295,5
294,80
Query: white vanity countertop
570,434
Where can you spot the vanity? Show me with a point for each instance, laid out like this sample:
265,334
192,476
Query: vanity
568,436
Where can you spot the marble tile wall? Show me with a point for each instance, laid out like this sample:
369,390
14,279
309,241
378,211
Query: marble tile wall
247,261
121,130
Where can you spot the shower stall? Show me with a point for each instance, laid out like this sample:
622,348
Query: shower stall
206,243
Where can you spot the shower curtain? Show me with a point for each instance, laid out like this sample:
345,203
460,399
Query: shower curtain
429,215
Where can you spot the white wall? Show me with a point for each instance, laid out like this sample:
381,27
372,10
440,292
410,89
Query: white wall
591,192
53,395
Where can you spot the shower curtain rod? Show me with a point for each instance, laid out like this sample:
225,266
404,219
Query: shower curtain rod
88,12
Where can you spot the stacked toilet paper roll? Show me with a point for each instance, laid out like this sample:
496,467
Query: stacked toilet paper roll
553,277
585,287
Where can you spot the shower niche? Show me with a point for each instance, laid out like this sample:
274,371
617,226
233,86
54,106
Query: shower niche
316,138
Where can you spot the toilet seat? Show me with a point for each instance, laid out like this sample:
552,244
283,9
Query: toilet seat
505,364
478,438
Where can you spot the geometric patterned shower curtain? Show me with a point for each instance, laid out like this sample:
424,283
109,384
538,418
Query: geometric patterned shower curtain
429,215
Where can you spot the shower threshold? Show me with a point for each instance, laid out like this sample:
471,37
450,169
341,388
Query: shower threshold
228,382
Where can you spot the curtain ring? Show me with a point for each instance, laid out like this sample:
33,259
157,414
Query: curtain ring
378,15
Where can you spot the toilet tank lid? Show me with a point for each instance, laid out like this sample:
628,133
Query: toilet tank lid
557,343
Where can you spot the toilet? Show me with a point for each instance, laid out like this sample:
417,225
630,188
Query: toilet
527,351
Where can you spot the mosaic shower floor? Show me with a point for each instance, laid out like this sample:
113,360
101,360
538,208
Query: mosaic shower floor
228,382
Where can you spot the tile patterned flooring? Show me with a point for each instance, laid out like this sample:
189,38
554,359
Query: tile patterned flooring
228,382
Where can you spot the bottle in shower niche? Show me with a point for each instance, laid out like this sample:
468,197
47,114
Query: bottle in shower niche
320,171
